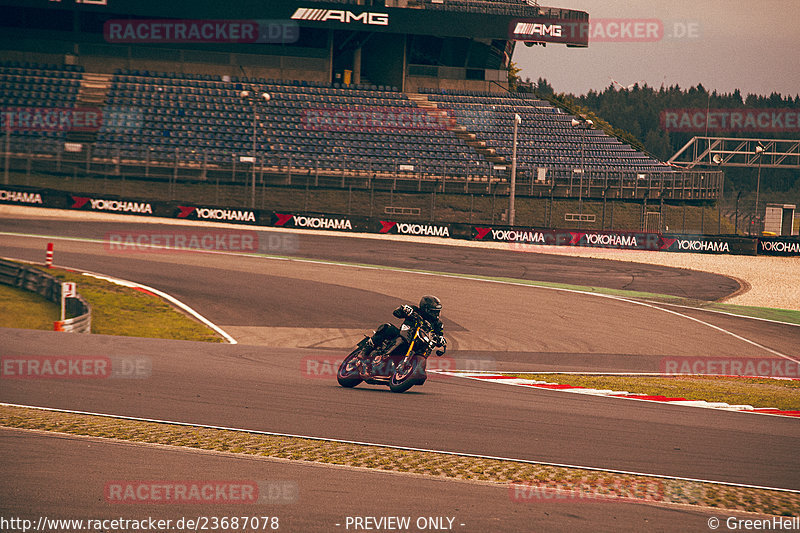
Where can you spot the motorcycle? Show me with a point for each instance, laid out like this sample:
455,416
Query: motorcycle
398,363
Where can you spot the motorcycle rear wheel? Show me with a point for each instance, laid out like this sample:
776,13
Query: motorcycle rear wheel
348,376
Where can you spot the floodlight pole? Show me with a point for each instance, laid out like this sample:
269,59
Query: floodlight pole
759,153
587,124
254,100
512,194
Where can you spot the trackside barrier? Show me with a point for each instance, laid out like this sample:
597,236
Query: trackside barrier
779,246
34,280
632,240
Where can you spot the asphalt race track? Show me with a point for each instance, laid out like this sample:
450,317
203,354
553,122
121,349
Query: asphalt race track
287,313
326,495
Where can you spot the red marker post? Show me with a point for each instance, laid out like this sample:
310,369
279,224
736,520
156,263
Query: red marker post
49,255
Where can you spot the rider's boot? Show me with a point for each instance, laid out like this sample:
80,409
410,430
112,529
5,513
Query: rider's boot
367,349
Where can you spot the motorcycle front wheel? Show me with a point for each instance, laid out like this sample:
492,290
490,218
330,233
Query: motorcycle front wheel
348,376
405,376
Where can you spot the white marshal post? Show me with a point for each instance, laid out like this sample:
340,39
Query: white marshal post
68,290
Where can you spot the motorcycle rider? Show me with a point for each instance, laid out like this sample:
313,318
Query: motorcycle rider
429,309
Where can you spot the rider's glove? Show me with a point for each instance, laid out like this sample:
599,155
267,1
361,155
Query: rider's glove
408,310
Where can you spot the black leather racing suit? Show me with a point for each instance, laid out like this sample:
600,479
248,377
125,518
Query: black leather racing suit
390,331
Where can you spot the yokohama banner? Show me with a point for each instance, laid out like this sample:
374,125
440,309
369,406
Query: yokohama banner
412,228
711,244
217,214
555,237
522,236
16,196
111,205
778,246
319,221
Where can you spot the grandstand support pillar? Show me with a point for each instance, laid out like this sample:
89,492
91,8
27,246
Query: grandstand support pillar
611,223
174,176
530,182
7,150
513,191
253,179
357,65
371,199
471,206
88,159
147,161
305,197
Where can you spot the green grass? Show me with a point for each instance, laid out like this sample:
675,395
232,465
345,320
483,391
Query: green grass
116,310
781,394
531,478
119,310
27,310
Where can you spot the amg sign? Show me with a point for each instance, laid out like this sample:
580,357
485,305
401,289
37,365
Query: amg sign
537,30
340,15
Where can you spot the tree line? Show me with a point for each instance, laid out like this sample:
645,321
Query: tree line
633,114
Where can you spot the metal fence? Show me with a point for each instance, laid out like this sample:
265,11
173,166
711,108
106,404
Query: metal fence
34,280
189,164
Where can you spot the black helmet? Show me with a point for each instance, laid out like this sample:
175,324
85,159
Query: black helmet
430,306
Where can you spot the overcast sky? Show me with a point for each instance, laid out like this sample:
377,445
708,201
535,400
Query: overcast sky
753,46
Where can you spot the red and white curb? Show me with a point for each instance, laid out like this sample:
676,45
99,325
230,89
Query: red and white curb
521,382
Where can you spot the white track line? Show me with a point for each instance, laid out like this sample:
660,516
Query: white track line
472,278
174,301
394,447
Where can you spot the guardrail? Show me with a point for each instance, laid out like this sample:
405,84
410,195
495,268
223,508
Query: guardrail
34,280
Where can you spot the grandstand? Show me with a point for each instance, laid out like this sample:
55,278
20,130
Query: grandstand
390,89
